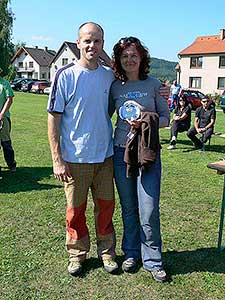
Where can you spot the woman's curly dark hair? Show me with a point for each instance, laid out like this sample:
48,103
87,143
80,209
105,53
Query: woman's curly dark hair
122,44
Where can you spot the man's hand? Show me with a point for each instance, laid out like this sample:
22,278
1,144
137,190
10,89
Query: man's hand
61,171
201,130
164,91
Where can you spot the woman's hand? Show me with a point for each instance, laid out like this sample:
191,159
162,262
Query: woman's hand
135,123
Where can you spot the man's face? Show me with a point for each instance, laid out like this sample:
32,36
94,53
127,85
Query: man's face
90,43
204,102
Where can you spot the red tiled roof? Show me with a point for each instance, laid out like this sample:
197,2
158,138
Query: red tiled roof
205,45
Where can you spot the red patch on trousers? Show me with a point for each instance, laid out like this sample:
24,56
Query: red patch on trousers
104,219
76,222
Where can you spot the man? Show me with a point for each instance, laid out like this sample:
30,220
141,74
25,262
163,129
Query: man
77,107
205,117
175,91
6,99
80,138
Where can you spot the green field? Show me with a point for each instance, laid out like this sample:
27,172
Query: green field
32,223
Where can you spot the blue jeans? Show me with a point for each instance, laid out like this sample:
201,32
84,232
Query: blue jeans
139,198
174,99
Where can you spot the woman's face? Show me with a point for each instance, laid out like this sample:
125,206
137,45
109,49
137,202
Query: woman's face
182,102
130,60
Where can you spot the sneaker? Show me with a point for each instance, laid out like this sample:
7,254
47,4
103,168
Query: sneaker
75,268
129,265
159,275
110,265
13,170
173,141
171,147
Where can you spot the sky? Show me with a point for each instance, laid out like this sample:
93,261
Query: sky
164,27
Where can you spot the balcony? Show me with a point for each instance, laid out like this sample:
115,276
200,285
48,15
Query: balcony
26,69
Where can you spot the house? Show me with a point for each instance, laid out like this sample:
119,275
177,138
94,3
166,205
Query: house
68,53
33,62
202,64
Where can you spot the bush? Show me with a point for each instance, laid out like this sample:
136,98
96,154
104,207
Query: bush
216,97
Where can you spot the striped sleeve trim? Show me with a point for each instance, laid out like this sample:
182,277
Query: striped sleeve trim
54,87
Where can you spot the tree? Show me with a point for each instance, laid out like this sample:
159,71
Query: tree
18,45
6,46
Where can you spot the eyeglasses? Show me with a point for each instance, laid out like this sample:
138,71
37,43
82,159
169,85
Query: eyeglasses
181,100
129,39
204,101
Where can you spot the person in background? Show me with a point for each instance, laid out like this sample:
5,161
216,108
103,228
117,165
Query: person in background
175,90
139,195
6,100
205,117
181,120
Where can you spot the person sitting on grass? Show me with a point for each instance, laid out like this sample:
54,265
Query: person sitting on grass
205,117
181,120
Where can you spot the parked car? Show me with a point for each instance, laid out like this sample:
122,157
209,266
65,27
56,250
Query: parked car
47,90
222,103
26,86
194,97
39,86
17,84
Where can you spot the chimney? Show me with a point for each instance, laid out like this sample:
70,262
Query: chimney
222,34
36,47
46,49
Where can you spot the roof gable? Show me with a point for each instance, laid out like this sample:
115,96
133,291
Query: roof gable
42,56
205,45
103,58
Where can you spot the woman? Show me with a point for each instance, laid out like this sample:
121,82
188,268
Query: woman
139,196
181,121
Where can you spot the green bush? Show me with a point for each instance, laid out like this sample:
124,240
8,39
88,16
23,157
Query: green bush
216,97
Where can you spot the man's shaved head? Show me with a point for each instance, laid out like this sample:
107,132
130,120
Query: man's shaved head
93,23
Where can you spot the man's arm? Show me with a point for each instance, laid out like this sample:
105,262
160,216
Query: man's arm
211,124
196,124
164,91
6,107
60,167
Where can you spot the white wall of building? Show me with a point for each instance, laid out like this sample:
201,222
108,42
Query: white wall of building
210,72
65,53
26,59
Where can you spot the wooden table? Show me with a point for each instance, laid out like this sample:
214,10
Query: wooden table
220,167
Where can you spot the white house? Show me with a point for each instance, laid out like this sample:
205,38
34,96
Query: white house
68,53
202,64
33,62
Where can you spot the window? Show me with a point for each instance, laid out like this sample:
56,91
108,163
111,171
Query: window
196,62
64,61
20,64
195,82
221,83
222,62
43,75
31,64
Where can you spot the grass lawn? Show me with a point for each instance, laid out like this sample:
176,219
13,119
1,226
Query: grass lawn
32,223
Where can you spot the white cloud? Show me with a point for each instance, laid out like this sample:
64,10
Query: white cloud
41,38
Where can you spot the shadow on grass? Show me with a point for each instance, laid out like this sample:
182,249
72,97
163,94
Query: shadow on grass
184,262
93,263
209,148
199,260
25,179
